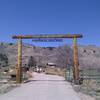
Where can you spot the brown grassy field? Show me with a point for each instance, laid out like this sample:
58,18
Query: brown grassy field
56,71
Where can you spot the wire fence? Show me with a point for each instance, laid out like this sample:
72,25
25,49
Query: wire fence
91,82
90,74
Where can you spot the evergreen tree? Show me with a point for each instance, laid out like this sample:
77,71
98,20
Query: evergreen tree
3,60
31,61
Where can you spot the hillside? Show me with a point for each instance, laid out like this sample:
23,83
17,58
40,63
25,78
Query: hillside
89,56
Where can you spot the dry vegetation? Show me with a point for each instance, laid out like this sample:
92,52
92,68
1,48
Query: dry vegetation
56,71
89,87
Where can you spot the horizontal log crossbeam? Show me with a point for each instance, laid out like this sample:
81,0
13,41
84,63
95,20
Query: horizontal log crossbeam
48,36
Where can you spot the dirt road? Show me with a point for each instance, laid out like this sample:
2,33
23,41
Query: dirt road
43,87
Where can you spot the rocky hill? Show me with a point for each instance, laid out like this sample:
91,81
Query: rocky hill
89,56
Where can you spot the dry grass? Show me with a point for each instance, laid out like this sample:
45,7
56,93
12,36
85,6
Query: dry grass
89,87
55,71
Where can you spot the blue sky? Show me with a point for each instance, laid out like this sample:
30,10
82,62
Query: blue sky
50,17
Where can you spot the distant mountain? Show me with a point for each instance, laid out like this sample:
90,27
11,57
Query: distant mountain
89,56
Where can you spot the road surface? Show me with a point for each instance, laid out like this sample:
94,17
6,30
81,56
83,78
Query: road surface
43,87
